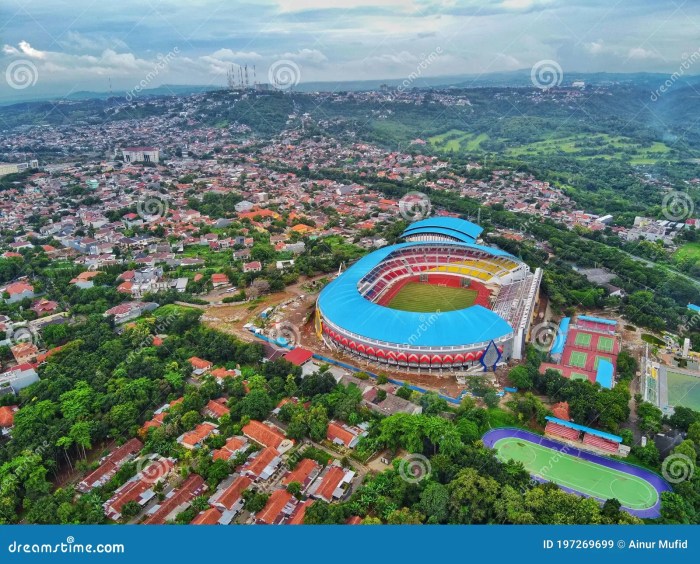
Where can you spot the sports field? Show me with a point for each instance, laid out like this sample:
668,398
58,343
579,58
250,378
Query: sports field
578,359
583,339
416,296
606,344
683,390
583,476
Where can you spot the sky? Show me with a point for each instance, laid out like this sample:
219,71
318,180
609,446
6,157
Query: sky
57,47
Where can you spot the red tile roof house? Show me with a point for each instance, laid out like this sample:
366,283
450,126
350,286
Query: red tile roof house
24,352
330,485
139,488
299,356
279,507
211,516
229,499
176,501
7,418
262,464
17,291
305,473
195,438
158,417
216,408
44,307
297,517
267,435
200,366
233,447
218,280
345,435
109,465
254,266
221,373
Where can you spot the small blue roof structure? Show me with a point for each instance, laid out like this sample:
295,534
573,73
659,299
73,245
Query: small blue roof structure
694,308
604,375
460,229
597,320
560,340
589,430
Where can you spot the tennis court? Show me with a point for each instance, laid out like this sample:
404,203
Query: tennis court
578,359
606,344
583,339
583,476
578,376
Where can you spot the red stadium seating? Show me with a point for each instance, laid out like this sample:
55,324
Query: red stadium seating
561,431
600,443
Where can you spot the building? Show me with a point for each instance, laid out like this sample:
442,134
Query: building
306,471
332,483
262,464
353,313
229,498
141,154
176,500
17,291
345,435
109,465
195,438
18,378
279,507
266,435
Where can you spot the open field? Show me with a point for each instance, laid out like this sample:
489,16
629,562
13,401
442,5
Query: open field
415,296
581,475
455,141
688,251
683,390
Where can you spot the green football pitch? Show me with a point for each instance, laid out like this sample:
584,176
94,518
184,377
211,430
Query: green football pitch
683,390
580,475
583,339
416,296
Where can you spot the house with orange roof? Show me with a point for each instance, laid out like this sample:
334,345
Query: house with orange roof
199,365
17,291
176,501
229,498
25,352
345,435
109,465
216,408
139,488
221,373
304,474
302,229
332,483
7,418
278,508
219,279
263,434
233,447
262,464
43,357
195,438
158,416
297,517
209,516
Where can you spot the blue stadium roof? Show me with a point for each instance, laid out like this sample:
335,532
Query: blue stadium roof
597,320
604,375
461,229
341,302
589,430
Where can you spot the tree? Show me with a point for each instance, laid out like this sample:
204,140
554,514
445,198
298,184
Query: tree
520,378
130,510
318,423
257,405
491,399
432,403
434,501
294,488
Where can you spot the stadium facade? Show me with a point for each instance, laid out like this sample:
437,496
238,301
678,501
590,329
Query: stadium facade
352,313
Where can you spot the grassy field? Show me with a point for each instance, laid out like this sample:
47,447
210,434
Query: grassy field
457,141
594,146
583,476
683,390
689,250
415,296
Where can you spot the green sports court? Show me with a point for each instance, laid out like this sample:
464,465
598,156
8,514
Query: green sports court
582,339
605,344
578,359
581,475
428,298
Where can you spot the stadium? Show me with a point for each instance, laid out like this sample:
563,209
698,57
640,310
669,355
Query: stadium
437,300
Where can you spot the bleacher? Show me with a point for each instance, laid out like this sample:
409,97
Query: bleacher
560,431
599,442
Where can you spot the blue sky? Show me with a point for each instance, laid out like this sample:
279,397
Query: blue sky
79,45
